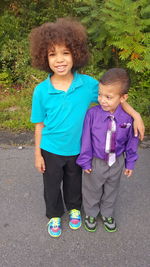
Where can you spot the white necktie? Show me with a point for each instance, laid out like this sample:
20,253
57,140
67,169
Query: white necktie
110,141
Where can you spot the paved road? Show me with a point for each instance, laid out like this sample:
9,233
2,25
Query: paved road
23,235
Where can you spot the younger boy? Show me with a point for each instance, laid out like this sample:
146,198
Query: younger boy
107,136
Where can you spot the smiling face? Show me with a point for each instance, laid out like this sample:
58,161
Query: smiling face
110,96
60,60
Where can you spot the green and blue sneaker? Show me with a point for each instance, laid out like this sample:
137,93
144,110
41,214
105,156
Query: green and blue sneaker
75,219
54,227
109,224
90,223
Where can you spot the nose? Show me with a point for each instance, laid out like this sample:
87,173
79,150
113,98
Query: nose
59,58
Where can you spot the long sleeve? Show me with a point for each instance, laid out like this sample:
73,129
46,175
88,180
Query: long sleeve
131,150
86,155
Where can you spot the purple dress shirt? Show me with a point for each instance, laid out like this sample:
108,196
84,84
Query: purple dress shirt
94,137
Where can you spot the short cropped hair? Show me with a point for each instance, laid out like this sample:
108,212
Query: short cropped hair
65,31
115,75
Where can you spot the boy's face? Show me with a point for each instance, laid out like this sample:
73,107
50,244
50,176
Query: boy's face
110,96
60,60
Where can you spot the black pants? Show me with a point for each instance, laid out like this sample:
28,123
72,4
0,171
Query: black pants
58,169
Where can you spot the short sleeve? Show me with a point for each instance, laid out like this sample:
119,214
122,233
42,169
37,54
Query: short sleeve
95,88
37,112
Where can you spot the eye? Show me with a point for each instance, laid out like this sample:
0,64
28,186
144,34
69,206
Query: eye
109,97
66,52
51,54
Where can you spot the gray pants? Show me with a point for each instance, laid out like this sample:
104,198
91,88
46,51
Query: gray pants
100,188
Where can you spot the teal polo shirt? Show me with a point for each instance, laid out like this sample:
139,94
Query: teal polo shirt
63,113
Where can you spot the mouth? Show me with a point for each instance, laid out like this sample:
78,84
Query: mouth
61,68
103,106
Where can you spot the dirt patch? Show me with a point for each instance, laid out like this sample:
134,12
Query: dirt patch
27,138
12,138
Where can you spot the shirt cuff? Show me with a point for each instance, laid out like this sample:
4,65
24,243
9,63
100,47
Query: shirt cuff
129,165
85,166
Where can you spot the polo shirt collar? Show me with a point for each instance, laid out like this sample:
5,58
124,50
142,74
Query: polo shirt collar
77,82
116,114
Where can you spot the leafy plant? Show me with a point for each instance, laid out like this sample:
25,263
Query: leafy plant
119,31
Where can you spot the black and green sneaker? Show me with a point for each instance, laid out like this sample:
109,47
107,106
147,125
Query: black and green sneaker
90,223
109,224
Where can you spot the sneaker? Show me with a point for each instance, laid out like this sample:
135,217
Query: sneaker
74,219
109,224
90,223
54,227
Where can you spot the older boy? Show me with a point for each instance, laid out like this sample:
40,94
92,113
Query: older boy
107,137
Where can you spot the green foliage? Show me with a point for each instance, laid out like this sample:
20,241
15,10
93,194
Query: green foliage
15,59
129,31
5,79
15,24
139,94
120,31
119,36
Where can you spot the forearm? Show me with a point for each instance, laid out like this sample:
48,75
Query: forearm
131,111
138,122
39,161
38,131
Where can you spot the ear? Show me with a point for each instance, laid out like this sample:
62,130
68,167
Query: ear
123,98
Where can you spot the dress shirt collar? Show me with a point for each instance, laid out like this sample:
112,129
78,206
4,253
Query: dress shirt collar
116,113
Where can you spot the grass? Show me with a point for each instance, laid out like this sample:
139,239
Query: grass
15,109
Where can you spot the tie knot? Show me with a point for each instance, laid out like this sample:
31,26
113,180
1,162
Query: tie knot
111,117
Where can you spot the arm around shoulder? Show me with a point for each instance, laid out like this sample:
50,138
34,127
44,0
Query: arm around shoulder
138,122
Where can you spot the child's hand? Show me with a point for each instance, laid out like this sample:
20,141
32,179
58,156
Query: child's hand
139,127
88,171
128,172
40,164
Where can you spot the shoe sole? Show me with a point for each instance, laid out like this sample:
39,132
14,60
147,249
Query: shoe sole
108,230
54,235
90,230
74,228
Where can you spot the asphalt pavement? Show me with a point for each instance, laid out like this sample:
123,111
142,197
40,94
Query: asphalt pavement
24,240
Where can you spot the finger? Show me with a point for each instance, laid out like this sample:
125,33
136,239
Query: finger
39,168
135,131
125,172
43,166
129,173
141,135
87,171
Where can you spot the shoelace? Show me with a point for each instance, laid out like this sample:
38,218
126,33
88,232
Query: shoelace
55,223
91,219
75,214
110,219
